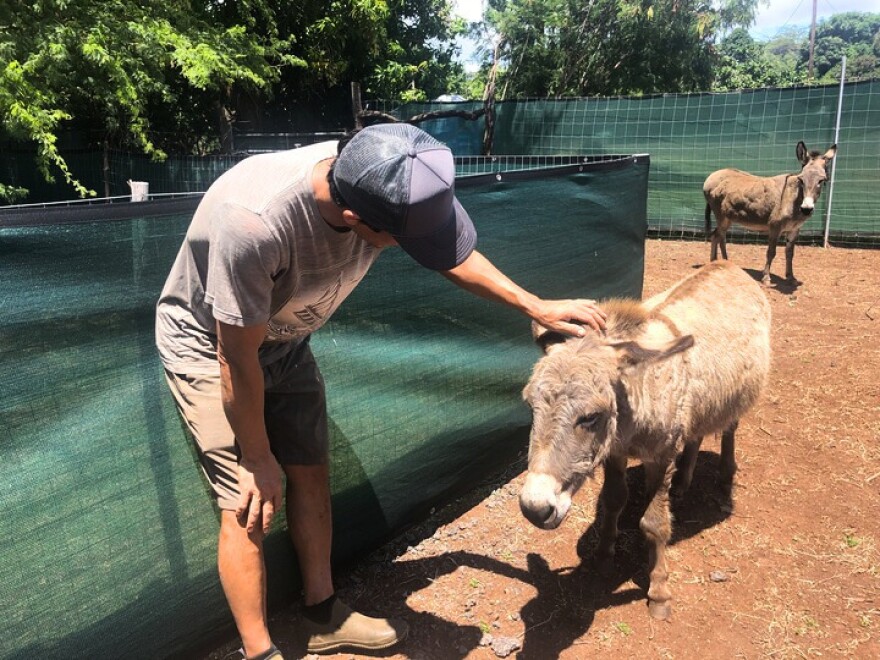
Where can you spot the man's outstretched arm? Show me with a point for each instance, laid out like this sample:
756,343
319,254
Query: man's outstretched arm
479,276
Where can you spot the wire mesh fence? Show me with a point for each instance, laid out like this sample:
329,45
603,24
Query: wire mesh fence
688,136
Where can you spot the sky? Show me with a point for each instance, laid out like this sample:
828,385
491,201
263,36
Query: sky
771,16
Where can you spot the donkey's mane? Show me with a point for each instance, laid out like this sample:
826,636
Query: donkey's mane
626,317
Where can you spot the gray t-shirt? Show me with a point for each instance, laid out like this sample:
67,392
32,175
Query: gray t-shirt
257,251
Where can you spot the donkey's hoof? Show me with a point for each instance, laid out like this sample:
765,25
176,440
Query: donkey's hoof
680,485
604,562
726,487
660,610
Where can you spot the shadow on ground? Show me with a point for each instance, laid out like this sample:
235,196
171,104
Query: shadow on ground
567,599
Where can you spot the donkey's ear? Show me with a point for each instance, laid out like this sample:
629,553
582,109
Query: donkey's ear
830,154
547,339
803,154
631,355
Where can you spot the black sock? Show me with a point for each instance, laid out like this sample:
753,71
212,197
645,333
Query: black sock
265,654
320,612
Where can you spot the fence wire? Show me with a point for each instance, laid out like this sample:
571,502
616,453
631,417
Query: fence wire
688,136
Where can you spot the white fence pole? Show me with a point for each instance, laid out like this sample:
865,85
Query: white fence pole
836,140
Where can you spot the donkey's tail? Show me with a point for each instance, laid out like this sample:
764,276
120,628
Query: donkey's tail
708,222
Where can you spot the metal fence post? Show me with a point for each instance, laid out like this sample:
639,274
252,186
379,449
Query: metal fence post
836,140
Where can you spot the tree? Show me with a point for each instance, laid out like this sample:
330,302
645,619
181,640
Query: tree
570,47
855,35
160,76
744,63
395,48
106,63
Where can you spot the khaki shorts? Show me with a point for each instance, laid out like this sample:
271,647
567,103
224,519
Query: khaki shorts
295,411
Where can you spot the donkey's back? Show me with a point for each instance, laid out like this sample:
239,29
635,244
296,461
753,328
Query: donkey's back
744,198
728,315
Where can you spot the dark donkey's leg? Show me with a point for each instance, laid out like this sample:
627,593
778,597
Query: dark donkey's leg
727,467
719,239
789,255
656,524
613,498
685,464
771,253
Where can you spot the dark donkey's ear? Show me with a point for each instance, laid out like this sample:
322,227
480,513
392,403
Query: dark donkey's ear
803,154
546,339
830,154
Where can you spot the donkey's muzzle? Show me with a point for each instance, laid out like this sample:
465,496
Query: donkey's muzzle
543,501
541,515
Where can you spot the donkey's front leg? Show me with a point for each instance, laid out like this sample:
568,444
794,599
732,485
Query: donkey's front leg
719,239
771,253
789,255
656,524
727,467
685,464
613,497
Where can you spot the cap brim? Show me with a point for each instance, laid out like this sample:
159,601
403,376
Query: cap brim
446,248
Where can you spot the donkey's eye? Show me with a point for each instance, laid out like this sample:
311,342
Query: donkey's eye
588,422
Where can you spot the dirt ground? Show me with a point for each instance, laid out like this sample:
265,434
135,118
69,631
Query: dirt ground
790,569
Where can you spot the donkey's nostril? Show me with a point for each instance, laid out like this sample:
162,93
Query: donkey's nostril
807,210
538,515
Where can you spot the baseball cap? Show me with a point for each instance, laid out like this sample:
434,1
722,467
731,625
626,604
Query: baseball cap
399,179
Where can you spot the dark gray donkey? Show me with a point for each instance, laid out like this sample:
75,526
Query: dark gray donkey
777,205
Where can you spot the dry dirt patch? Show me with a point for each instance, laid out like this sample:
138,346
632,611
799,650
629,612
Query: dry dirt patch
790,570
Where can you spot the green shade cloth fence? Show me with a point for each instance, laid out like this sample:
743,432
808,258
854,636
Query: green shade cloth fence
107,538
687,135
691,135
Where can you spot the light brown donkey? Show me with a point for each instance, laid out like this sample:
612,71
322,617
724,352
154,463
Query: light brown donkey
687,363
778,205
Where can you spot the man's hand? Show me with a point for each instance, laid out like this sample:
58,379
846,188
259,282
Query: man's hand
260,486
570,316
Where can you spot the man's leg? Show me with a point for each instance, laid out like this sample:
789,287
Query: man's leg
329,623
243,576
310,527
239,557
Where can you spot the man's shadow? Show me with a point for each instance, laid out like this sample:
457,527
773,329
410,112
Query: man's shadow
567,599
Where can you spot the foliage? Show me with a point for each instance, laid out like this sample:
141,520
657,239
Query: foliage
394,48
161,76
784,59
175,75
568,47
852,34
106,62
744,63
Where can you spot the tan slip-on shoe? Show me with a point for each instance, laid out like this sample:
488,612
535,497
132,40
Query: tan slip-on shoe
351,629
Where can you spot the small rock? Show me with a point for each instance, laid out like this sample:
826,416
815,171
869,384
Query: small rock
504,646
719,576
486,639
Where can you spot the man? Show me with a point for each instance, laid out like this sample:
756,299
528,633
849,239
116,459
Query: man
274,247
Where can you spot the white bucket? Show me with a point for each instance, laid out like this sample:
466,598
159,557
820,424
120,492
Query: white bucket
140,190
